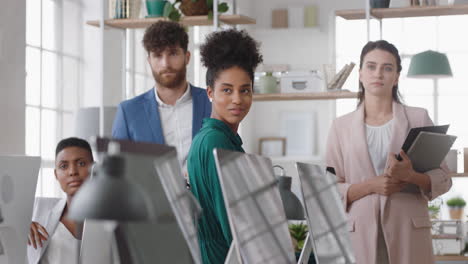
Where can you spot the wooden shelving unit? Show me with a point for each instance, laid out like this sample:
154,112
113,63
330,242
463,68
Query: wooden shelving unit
451,258
445,237
416,11
458,175
188,21
305,96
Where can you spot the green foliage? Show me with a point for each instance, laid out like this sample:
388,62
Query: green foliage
173,13
433,208
299,233
456,202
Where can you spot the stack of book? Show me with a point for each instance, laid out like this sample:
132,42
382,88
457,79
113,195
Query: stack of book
337,81
124,8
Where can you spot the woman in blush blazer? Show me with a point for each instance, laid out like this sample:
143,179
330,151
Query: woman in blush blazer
385,199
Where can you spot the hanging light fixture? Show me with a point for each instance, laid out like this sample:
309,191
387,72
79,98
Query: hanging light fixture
291,204
429,64
432,65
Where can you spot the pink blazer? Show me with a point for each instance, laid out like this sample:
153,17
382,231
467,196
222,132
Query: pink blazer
404,216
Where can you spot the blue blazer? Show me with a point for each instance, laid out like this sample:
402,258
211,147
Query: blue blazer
138,119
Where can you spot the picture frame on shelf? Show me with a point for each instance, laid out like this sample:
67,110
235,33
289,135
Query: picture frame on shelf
272,146
299,130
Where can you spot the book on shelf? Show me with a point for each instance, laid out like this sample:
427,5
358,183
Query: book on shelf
340,78
346,74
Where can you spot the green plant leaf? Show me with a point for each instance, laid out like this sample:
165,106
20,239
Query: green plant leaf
209,3
223,7
168,9
456,202
174,16
210,15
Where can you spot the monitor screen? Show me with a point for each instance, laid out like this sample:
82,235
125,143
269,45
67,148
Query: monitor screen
160,239
18,178
258,223
327,222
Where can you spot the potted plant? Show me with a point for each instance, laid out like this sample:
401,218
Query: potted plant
456,206
434,211
298,234
193,8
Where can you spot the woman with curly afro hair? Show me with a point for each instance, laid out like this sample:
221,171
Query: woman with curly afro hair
230,57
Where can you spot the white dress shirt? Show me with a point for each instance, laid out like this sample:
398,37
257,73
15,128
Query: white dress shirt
63,247
176,122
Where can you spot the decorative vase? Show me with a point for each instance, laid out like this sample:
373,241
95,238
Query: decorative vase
268,83
379,3
191,8
155,8
456,213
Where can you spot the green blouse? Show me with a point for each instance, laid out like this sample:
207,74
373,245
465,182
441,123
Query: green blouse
214,233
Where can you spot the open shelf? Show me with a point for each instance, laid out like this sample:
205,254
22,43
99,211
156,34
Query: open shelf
445,237
451,258
415,11
465,174
305,96
188,21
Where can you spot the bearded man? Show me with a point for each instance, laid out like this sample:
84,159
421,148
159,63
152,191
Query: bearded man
172,112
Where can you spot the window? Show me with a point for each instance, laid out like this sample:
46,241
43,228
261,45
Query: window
411,36
53,35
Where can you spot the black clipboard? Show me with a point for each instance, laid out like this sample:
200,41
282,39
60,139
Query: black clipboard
414,132
429,150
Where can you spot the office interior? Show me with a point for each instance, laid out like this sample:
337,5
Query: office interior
55,65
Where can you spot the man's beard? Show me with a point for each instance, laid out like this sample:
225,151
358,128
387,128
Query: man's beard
173,81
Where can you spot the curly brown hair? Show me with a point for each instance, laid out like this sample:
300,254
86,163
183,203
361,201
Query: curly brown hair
164,34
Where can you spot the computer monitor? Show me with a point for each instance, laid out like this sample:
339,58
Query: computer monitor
18,178
325,214
160,240
253,203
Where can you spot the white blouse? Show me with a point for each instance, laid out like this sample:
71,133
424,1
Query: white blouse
378,141
63,247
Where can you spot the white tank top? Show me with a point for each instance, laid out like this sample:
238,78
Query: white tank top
378,141
62,248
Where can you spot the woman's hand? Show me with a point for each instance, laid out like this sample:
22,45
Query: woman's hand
400,170
37,234
386,185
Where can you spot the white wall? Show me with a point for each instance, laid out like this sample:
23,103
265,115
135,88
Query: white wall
113,71
302,49
12,76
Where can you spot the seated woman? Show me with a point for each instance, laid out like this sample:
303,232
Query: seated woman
53,237
231,57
